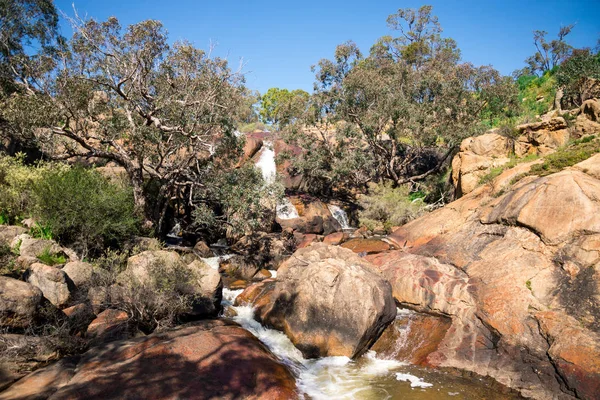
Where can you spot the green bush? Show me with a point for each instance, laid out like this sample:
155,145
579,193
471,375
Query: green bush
51,259
83,209
386,206
16,184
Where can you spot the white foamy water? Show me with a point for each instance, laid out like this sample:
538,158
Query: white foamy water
266,162
273,273
328,377
414,381
268,168
340,216
214,262
286,210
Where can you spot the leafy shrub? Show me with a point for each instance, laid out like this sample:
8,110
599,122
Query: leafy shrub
387,206
572,76
16,184
83,209
51,259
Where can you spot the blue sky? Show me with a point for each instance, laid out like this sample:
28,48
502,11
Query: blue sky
280,40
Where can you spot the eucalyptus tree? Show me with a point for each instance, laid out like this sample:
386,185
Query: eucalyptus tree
400,112
165,113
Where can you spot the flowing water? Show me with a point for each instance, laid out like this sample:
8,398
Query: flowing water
268,168
340,216
367,378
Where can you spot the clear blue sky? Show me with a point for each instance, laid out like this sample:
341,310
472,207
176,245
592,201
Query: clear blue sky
280,40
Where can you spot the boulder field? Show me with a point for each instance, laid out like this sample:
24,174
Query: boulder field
517,272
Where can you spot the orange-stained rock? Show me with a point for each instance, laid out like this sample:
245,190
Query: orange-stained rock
42,383
207,360
238,284
497,261
109,325
336,238
253,294
261,275
412,337
306,240
367,246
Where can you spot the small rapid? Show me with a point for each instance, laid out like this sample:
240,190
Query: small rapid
368,378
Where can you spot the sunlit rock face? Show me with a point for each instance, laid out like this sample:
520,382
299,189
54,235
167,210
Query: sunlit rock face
518,274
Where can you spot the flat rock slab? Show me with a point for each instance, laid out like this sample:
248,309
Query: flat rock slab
212,359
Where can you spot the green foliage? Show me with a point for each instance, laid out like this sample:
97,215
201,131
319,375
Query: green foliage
16,185
51,259
567,156
281,106
386,206
237,202
398,113
252,126
4,219
84,209
536,94
41,232
496,171
573,76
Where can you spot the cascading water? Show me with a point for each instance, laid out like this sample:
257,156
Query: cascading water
340,216
268,168
364,379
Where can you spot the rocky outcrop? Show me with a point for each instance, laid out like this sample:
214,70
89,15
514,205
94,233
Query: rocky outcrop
518,274
52,281
210,359
329,302
478,155
541,137
366,246
19,302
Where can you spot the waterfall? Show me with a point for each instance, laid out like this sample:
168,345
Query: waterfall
340,216
266,164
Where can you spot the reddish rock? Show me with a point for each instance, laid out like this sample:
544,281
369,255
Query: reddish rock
336,238
109,325
261,275
367,246
202,249
42,383
239,284
208,360
412,337
255,293
80,315
306,240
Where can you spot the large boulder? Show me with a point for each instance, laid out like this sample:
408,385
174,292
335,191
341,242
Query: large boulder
329,302
52,281
211,289
518,273
42,383
542,137
208,360
19,302
30,247
84,274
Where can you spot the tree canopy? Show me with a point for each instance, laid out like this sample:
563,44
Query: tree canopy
398,113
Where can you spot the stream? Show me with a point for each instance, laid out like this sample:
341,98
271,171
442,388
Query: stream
367,378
